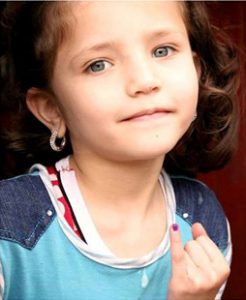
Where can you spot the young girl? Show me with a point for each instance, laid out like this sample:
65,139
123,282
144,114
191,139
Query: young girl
105,96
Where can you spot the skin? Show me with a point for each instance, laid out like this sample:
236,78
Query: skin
133,81
198,269
126,99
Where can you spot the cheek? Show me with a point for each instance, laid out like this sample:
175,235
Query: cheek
186,95
182,77
188,87
88,113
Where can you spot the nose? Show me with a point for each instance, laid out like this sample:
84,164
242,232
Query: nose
142,79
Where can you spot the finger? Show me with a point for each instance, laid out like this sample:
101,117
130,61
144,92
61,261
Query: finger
177,251
215,267
198,230
212,251
189,262
191,269
198,255
217,260
210,248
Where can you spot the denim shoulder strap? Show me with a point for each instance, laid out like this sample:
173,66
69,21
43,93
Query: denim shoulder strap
197,203
25,210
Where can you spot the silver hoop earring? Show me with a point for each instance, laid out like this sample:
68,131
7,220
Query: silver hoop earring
53,142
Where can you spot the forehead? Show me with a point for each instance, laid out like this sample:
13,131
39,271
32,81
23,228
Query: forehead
116,17
119,22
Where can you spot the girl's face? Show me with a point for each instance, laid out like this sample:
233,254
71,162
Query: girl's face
126,81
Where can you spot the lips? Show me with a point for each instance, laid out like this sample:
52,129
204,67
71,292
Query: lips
148,113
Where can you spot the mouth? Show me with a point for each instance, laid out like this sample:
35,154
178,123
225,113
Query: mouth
148,114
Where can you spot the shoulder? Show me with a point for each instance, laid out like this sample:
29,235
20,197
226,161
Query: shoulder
22,191
196,202
25,209
27,183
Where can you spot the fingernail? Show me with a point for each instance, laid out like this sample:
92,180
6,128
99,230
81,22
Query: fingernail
175,227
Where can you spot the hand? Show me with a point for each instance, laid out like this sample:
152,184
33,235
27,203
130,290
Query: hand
199,269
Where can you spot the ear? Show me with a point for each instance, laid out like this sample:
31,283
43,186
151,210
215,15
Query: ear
43,106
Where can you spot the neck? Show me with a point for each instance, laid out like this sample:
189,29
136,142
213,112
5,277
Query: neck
125,186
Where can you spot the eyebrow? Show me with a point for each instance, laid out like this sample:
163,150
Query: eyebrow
97,47
111,44
93,48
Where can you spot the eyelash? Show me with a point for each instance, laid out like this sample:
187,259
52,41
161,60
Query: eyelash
167,49
89,68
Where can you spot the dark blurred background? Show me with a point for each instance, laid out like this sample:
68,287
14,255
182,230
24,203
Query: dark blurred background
230,183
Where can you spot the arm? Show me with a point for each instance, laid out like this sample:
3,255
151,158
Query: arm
199,269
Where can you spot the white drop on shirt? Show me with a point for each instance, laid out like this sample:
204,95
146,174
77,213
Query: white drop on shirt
144,280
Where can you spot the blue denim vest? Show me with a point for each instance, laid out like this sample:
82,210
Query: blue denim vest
40,263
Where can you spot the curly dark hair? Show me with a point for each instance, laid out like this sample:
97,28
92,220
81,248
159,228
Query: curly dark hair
31,33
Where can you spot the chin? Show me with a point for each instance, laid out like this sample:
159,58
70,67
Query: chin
139,150
143,154
155,150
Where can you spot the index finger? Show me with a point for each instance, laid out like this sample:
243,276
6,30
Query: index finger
177,251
